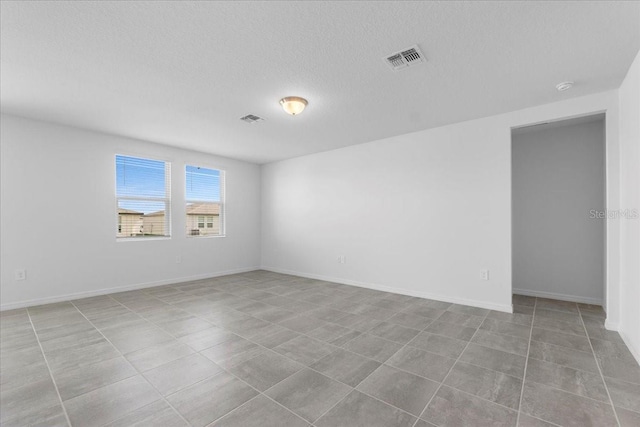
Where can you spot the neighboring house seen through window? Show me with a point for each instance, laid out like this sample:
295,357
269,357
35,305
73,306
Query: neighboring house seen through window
208,220
205,201
143,197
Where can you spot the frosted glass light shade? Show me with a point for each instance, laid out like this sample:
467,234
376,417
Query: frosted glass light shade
293,105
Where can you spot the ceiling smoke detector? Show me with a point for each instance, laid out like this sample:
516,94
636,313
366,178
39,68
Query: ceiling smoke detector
251,118
564,86
405,58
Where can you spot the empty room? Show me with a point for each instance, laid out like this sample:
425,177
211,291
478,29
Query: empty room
327,213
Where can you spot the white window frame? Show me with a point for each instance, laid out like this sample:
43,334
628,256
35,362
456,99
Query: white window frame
166,200
222,203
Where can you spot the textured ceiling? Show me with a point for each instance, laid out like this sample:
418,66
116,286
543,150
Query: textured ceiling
183,73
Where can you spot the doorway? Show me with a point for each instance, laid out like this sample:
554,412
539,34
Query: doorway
559,210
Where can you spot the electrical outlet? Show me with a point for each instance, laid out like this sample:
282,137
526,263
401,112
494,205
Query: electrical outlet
342,259
20,274
178,259
484,274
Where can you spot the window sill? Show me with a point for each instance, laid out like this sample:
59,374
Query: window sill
142,239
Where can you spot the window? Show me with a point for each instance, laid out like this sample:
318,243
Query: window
205,201
210,220
143,200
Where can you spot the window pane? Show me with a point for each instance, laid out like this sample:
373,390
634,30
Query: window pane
204,195
140,177
134,222
142,197
195,220
203,184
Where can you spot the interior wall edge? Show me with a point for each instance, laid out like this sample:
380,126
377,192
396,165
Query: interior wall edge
107,291
611,326
394,290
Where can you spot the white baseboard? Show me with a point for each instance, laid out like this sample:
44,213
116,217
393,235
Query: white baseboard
561,297
408,292
611,326
635,351
632,348
105,291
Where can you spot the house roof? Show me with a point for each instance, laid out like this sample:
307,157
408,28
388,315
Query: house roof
195,209
122,211
203,209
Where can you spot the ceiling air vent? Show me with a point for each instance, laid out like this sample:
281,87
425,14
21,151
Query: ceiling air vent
250,118
405,58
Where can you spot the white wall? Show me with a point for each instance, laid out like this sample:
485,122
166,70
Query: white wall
557,198
629,94
419,214
58,216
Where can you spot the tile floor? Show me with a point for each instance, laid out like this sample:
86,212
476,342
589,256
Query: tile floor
264,349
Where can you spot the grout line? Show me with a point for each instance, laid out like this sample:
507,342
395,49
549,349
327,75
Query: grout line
541,420
560,332
451,368
479,398
260,393
336,404
307,367
311,288
375,370
562,347
44,356
398,351
324,342
526,361
263,320
223,369
208,321
318,372
241,406
489,369
613,407
569,392
129,413
365,393
136,369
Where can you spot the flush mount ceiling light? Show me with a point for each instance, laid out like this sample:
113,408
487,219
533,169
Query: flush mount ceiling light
293,105
564,86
